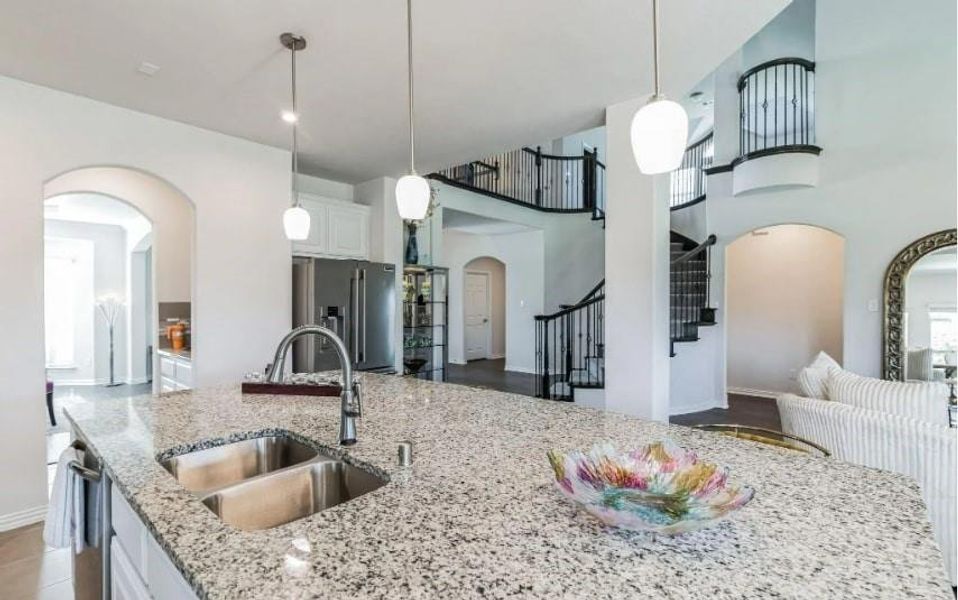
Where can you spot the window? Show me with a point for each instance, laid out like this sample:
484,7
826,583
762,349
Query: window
67,282
943,326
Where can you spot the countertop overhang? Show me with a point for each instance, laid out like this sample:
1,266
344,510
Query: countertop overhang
477,515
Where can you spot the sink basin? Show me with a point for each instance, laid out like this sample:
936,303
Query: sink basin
213,468
268,481
291,494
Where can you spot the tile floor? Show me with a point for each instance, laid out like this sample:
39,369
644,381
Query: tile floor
30,570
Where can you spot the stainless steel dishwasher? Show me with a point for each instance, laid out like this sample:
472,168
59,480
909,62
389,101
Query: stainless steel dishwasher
91,567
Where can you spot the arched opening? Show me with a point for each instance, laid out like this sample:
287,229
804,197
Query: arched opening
118,264
484,309
484,316
784,304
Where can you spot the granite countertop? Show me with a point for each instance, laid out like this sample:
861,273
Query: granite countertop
477,516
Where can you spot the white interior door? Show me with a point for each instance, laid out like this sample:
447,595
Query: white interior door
476,298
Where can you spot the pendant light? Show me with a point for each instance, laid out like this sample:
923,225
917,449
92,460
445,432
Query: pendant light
296,218
412,191
660,128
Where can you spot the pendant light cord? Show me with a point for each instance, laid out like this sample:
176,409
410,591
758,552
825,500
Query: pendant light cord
655,46
412,128
295,124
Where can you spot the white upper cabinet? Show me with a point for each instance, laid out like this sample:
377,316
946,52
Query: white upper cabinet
337,229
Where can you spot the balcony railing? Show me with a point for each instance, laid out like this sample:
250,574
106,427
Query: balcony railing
531,178
777,109
688,182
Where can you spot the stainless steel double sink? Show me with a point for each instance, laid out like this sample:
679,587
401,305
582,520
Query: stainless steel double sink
267,481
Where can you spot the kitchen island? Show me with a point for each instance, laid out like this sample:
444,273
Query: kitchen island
476,514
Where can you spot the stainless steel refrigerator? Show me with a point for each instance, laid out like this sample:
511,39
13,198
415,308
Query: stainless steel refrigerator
357,300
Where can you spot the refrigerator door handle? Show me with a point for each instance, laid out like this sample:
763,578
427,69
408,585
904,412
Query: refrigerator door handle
363,279
355,316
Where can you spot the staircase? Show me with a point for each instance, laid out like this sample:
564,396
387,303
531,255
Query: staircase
570,347
689,294
570,343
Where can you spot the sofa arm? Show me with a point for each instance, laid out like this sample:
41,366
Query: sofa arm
926,452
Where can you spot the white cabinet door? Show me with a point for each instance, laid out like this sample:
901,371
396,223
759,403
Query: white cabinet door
317,242
162,577
184,374
167,367
348,229
125,582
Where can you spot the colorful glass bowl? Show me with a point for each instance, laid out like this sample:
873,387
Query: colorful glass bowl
659,488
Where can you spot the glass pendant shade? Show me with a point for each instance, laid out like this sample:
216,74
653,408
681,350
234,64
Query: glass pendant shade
296,223
659,133
412,197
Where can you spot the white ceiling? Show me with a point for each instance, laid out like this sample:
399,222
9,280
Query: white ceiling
478,224
490,76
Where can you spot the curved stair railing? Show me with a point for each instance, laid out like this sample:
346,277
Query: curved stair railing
689,294
570,347
531,178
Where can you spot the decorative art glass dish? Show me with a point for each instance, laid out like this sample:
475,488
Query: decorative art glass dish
659,488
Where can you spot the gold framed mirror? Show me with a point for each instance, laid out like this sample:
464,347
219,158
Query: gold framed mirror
895,338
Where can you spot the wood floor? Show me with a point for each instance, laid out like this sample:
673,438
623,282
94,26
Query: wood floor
492,374
30,570
742,410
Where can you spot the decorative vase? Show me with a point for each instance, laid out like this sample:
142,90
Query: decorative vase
412,249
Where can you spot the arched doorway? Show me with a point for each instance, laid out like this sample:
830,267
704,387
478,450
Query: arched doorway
784,303
484,309
118,263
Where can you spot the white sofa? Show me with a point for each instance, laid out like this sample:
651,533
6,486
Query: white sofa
922,450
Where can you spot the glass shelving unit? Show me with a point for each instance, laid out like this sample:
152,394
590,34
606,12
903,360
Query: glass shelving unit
425,322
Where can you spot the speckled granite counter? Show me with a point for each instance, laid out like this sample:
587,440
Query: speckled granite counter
477,516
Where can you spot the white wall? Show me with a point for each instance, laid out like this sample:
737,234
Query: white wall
637,278
523,255
924,290
166,208
783,304
109,279
327,188
887,174
239,191
791,34
574,251
497,301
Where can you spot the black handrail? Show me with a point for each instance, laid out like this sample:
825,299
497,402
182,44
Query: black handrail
689,293
776,109
570,349
688,182
531,178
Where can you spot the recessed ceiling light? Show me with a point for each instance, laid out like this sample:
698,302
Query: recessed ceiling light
289,116
148,68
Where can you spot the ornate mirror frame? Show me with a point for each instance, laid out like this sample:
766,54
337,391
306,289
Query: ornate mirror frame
893,342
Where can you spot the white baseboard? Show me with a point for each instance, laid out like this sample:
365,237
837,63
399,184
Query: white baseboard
517,369
753,392
23,518
137,380
496,356
456,361
78,382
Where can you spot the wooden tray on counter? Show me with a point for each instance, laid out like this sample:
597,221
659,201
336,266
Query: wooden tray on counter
291,389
